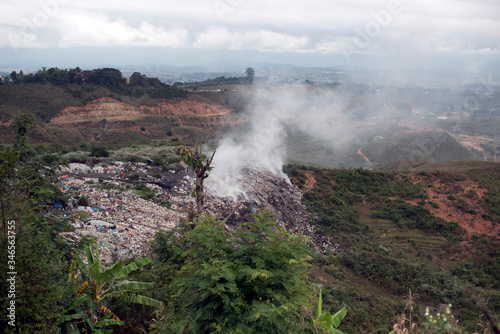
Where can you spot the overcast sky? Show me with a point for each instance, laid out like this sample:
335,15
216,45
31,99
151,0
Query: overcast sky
337,30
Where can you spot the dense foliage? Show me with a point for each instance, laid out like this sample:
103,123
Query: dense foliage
106,77
86,301
488,179
48,91
415,216
40,254
249,281
333,198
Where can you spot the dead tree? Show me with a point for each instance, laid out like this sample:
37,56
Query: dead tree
201,165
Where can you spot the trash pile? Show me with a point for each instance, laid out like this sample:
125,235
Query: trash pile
266,190
116,170
124,223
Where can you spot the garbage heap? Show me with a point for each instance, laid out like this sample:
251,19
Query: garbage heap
122,222
263,189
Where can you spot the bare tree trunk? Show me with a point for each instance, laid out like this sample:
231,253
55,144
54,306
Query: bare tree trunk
201,175
200,195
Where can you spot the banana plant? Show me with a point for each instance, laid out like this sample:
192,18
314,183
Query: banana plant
326,321
87,304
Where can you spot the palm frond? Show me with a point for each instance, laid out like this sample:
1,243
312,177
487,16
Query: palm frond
112,273
76,303
83,268
127,285
135,298
133,266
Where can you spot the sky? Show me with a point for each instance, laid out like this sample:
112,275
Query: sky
376,33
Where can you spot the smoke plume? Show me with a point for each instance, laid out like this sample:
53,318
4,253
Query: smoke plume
276,111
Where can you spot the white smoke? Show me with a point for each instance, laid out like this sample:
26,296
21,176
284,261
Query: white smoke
275,110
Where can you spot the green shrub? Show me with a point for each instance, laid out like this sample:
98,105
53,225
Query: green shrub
248,281
99,152
83,201
145,192
403,213
434,204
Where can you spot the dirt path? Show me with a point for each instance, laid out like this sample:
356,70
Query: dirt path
360,152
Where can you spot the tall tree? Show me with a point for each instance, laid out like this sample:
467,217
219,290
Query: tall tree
250,72
13,76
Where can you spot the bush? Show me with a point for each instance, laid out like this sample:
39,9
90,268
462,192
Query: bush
434,204
144,192
248,281
83,201
99,152
402,213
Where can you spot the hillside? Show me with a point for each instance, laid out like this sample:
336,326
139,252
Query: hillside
373,130
434,230
104,107
366,237
114,111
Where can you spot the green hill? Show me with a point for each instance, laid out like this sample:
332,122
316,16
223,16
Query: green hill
429,231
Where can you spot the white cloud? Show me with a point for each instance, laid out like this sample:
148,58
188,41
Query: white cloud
295,26
262,40
99,30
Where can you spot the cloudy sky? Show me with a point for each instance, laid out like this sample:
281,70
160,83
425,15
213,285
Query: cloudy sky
335,33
